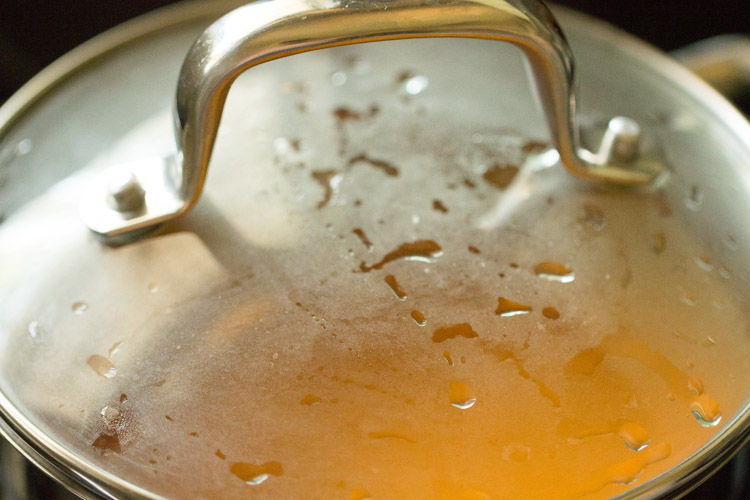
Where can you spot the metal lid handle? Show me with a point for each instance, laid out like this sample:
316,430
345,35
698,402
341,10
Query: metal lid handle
270,29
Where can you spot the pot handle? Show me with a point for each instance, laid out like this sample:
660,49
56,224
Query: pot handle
132,198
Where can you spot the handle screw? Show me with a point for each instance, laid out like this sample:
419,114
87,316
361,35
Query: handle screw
125,192
620,142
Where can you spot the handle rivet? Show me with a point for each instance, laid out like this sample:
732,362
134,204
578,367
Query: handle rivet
125,192
621,140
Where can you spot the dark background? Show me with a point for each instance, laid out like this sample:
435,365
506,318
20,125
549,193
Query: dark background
33,33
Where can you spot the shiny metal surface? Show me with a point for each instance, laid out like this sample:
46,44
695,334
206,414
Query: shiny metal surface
266,30
703,130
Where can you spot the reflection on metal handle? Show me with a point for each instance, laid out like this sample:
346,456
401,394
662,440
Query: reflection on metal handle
270,29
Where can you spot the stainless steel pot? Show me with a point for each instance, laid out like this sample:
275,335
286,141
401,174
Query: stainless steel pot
122,364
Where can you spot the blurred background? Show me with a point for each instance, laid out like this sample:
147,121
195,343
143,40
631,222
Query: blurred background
33,33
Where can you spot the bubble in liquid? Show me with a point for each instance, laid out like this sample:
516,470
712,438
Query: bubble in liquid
153,287
79,307
461,395
253,474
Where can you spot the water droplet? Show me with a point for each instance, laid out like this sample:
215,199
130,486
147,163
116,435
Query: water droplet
439,206
360,66
554,271
450,332
447,356
593,217
115,348
102,366
395,287
386,167
500,175
35,331
153,287
329,180
475,495
696,385
338,78
706,410
687,298
79,307
390,435
107,443
551,313
24,147
422,251
516,452
635,436
659,243
363,237
704,262
414,84
694,199
359,494
461,396
508,308
418,317
310,400
724,272
254,474
219,454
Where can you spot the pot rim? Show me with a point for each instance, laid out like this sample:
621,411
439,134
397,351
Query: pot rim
92,482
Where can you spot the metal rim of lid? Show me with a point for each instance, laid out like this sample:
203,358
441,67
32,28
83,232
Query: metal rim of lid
91,482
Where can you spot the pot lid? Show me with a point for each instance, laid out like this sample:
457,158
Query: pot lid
391,287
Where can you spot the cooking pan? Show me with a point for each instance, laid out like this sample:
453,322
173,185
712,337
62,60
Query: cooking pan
399,262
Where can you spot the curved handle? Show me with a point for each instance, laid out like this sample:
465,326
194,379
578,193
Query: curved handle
270,29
